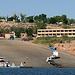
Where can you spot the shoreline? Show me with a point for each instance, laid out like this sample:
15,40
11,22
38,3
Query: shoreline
17,51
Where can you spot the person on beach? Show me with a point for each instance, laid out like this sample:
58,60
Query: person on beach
24,63
21,64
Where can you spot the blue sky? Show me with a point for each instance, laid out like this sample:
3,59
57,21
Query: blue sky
35,7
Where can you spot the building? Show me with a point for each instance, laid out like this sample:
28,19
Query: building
8,35
59,22
56,32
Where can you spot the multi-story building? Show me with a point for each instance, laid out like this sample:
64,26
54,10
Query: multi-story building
56,32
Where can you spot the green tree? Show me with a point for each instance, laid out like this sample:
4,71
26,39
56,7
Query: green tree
30,37
12,29
6,31
58,18
2,17
18,30
41,18
40,26
11,18
64,19
15,17
52,20
29,31
2,31
22,16
36,18
30,19
71,21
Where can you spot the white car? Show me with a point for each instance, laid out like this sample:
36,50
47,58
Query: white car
1,59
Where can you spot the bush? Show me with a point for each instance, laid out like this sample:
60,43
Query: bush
29,31
30,38
23,21
11,36
53,40
66,27
62,45
60,41
50,44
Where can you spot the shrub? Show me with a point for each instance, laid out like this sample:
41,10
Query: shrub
50,44
53,40
11,36
66,27
62,45
60,41
30,38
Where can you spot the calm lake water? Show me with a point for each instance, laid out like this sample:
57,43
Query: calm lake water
37,71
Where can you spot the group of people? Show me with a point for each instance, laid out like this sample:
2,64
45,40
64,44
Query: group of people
7,64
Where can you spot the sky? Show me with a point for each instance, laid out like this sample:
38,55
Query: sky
36,7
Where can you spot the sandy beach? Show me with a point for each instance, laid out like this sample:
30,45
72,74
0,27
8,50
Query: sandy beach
34,55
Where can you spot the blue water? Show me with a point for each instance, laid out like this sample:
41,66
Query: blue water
37,71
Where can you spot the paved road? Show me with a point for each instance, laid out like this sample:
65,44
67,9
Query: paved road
17,51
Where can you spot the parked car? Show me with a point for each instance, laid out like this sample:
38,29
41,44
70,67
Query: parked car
25,39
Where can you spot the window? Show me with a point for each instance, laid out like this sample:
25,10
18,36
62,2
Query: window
42,34
39,34
62,30
73,30
50,31
66,34
54,34
66,30
58,30
73,33
54,30
70,30
43,31
50,34
58,34
39,31
70,34
47,34
62,34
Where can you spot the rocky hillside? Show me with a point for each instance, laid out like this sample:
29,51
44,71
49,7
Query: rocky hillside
7,25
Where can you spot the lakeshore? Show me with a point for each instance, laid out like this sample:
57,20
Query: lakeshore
16,52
